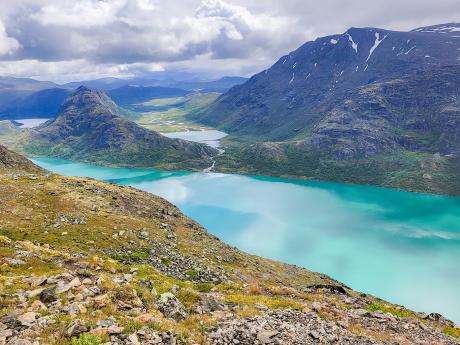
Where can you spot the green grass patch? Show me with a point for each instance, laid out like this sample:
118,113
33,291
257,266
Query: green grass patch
392,310
87,339
452,331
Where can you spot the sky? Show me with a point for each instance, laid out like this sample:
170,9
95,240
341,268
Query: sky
70,40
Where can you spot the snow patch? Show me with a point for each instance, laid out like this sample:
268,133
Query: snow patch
292,79
353,44
409,50
377,42
333,41
294,65
308,76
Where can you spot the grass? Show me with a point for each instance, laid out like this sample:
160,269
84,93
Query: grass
174,117
452,331
86,339
399,312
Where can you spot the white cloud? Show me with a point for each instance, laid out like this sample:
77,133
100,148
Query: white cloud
8,45
79,14
230,36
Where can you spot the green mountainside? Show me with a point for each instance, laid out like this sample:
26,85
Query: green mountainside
369,106
89,128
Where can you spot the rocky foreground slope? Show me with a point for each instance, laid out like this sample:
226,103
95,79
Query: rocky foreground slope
85,262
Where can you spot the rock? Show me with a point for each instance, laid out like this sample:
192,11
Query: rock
38,306
14,262
76,309
38,281
171,307
62,287
48,295
28,319
34,293
145,318
261,306
75,328
266,337
114,329
133,339
106,323
208,304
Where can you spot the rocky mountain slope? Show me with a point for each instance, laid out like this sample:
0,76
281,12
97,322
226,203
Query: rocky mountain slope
367,94
89,129
86,262
12,162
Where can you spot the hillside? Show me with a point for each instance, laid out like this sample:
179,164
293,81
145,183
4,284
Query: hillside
131,94
367,95
86,262
40,104
13,162
89,129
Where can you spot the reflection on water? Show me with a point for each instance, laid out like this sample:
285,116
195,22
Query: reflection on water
31,123
403,247
210,137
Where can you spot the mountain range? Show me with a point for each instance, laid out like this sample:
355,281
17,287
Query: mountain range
28,98
366,106
89,128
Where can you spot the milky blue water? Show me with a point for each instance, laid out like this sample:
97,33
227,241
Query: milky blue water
403,247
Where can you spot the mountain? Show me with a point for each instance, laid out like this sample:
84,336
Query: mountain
100,84
88,128
87,262
220,85
40,104
13,91
131,94
342,103
12,162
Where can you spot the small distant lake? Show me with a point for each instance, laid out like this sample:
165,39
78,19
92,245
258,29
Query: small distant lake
210,137
402,247
31,123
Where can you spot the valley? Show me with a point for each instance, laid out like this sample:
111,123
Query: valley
316,202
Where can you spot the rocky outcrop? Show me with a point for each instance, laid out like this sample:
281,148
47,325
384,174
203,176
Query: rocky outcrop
13,162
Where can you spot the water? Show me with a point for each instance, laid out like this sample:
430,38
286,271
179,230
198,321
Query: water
31,123
403,247
210,137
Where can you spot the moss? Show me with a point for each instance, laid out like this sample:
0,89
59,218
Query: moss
452,331
86,339
203,287
399,312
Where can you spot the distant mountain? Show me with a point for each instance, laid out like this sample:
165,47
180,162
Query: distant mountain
220,85
88,129
100,84
365,95
108,84
43,103
130,94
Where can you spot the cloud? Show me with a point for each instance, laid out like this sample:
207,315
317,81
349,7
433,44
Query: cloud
221,36
8,45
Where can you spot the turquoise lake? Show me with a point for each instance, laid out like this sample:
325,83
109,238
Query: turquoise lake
402,247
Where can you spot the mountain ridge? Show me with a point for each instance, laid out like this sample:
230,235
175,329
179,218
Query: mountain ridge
89,128
351,100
